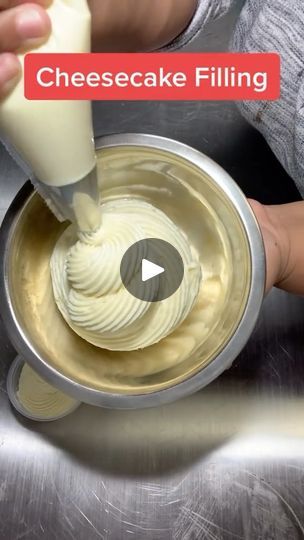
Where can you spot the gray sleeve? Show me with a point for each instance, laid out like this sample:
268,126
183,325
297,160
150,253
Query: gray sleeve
267,26
206,11
277,26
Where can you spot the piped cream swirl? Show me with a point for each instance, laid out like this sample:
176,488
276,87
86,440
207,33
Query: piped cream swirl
87,285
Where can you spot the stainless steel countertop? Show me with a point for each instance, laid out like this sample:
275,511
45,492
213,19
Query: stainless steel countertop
224,464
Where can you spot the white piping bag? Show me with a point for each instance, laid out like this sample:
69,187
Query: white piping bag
53,140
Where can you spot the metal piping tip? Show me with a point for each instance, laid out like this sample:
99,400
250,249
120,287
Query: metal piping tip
77,202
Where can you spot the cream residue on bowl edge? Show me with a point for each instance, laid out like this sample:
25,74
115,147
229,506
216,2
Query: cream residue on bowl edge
39,398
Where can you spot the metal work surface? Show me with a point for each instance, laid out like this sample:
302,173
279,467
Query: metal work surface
224,464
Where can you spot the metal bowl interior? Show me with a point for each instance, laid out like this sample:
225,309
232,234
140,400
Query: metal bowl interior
208,206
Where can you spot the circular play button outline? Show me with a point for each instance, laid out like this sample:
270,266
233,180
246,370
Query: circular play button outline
152,270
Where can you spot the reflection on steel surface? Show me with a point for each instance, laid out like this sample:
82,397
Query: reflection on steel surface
225,464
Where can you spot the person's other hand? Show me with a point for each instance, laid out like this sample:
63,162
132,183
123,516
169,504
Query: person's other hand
23,25
275,241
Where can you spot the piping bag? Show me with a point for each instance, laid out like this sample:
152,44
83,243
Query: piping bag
53,141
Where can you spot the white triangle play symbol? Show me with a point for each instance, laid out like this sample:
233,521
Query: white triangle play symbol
149,270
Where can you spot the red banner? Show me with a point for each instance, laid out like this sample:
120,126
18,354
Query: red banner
152,76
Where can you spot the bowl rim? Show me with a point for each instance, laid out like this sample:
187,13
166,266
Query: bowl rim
236,342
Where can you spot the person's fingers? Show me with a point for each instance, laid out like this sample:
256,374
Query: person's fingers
10,71
272,242
22,26
8,4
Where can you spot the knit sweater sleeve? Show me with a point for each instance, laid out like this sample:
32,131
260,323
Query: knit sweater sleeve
278,26
267,26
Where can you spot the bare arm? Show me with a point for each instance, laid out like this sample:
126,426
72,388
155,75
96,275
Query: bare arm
138,25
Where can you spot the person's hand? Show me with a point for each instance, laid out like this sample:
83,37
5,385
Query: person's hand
276,242
117,26
23,25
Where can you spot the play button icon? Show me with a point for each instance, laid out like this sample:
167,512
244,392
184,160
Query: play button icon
152,270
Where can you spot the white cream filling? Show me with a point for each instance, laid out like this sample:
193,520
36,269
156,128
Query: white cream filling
40,398
88,289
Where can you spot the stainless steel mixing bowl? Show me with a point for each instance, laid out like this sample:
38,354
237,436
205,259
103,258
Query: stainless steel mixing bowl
203,199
